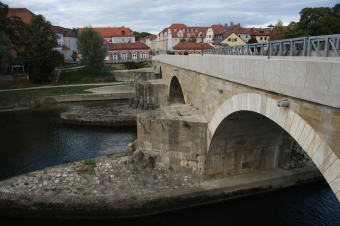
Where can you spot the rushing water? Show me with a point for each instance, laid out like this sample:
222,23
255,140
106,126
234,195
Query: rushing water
32,140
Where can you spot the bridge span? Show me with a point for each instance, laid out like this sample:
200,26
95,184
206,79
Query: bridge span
242,127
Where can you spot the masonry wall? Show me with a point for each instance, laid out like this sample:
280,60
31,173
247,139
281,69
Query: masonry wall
209,92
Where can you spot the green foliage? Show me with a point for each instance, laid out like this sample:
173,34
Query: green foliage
192,39
90,45
12,26
5,55
139,35
134,65
185,124
182,40
252,40
39,42
279,31
74,56
317,21
84,76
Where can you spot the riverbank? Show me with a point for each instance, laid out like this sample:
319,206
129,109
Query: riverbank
117,186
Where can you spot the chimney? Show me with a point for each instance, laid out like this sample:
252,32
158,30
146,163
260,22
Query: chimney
239,24
226,25
231,23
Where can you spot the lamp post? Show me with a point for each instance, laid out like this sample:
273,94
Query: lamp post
271,27
202,42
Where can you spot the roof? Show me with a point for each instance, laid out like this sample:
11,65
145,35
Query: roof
65,48
109,32
23,13
191,46
129,46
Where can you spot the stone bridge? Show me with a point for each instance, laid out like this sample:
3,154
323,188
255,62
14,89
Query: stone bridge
252,112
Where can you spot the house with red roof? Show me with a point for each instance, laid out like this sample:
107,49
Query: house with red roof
67,41
172,35
128,51
114,34
23,13
191,48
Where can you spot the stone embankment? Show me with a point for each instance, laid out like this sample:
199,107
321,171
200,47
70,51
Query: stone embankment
117,186
108,115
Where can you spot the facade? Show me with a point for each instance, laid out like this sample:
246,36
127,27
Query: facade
115,34
233,40
171,36
128,51
23,13
190,47
67,41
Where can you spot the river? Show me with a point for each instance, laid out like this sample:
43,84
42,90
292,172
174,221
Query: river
33,140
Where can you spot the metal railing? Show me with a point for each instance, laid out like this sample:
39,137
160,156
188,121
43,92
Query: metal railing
322,46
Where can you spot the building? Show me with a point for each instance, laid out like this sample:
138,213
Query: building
128,51
114,34
172,35
67,41
23,13
190,47
232,40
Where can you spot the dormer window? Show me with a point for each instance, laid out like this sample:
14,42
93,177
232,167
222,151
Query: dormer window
123,32
175,30
196,30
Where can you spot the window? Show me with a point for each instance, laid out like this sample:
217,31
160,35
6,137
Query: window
198,53
265,38
235,39
209,36
143,55
246,36
260,38
188,35
229,39
123,32
175,30
196,30
124,56
134,56
114,56
123,39
191,30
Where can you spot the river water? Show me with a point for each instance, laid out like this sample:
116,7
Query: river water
33,140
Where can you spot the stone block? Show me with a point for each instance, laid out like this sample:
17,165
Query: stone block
333,171
192,163
185,169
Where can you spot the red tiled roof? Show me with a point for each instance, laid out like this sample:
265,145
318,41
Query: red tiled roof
129,46
191,46
105,42
153,37
23,13
109,32
65,48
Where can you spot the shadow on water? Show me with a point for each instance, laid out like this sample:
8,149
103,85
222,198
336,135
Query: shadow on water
309,204
33,140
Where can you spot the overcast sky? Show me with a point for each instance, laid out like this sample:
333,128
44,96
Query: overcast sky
155,15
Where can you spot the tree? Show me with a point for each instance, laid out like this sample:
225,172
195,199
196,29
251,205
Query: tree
252,40
39,42
12,26
182,40
192,39
279,31
74,56
139,35
5,55
317,21
90,45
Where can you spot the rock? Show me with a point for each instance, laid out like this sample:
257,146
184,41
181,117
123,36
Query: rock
131,99
145,160
126,160
141,105
137,156
135,104
130,149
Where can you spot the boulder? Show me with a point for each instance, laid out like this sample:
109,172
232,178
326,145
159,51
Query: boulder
130,149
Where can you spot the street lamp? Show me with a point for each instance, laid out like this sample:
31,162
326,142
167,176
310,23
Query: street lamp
202,42
271,27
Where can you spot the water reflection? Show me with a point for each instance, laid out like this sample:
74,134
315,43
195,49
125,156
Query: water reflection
32,140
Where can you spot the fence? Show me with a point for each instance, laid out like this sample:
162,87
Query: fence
322,46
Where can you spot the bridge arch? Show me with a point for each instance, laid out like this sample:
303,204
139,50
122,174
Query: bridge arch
175,92
265,108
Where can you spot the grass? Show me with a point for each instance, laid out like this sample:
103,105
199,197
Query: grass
88,167
84,76
37,97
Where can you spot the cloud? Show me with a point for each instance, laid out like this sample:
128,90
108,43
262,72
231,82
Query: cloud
155,15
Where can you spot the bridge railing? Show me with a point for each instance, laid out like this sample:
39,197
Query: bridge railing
322,46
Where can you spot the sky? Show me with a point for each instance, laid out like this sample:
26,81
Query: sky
155,15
